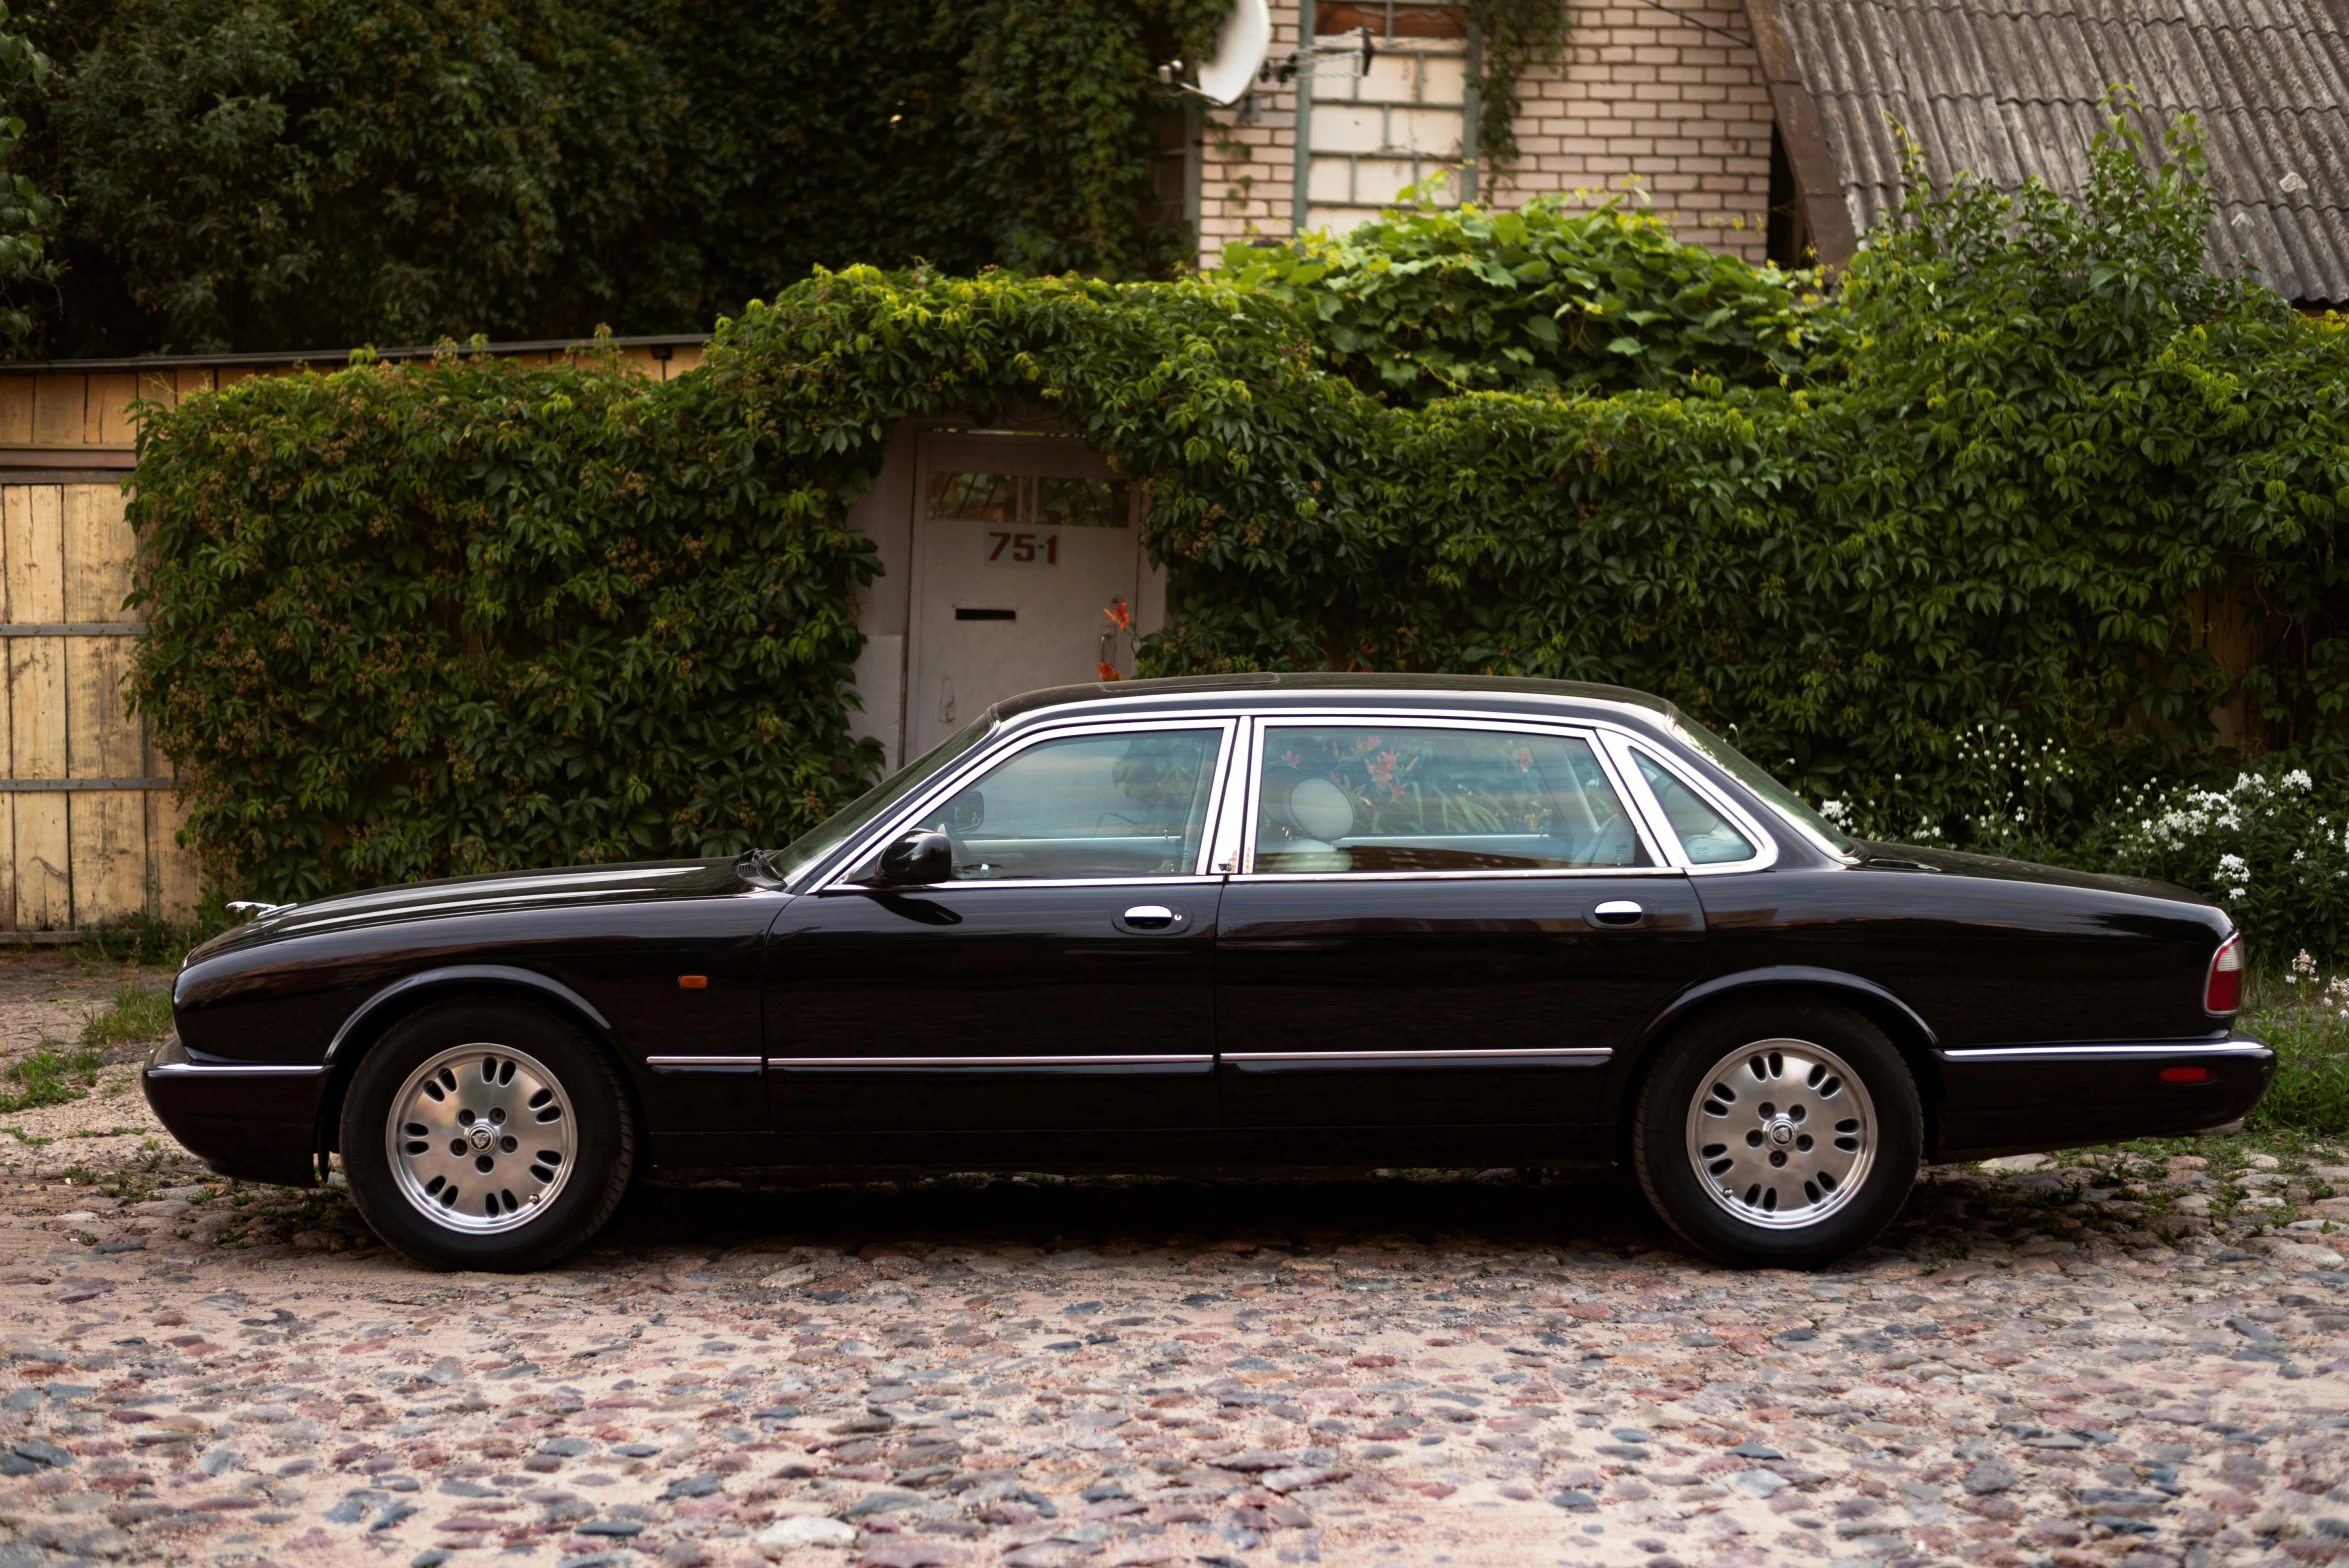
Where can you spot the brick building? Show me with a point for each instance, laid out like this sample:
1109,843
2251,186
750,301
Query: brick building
1764,127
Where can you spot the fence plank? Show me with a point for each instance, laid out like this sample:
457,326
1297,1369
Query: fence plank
32,524
16,410
171,867
108,828
106,419
99,545
60,404
12,499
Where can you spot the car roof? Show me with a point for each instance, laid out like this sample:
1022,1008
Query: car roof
1287,688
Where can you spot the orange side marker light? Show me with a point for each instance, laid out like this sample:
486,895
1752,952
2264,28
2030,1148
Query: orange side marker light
693,982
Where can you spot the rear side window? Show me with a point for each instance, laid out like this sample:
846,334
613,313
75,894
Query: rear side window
1382,797
1703,832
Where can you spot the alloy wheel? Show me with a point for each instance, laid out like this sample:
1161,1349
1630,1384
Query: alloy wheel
1781,1133
481,1138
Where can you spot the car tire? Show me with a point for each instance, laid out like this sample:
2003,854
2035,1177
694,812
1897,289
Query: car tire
1778,1136
487,1134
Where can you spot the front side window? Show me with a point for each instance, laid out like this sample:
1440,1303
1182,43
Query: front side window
1703,832
1385,797
1125,805
795,858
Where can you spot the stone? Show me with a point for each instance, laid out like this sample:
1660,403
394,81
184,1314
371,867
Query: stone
1991,1475
806,1530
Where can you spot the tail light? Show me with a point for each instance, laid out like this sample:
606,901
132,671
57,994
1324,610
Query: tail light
2185,1075
2223,991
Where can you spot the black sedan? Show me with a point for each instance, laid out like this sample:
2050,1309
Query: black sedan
1306,920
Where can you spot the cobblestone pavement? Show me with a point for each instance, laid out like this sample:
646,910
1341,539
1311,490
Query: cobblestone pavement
2095,1365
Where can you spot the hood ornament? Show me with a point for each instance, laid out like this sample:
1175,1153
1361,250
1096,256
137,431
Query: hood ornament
253,908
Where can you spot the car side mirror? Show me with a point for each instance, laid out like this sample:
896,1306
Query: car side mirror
916,859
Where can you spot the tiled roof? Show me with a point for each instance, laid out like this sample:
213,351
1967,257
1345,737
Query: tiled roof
2010,88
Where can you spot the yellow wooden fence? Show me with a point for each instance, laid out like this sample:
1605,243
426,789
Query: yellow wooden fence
92,818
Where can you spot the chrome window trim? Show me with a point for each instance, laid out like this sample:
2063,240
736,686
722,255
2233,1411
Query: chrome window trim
234,1069
1230,841
1002,749
1739,818
1243,701
1589,731
1162,879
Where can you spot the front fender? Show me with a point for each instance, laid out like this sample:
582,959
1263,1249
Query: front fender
471,977
371,1017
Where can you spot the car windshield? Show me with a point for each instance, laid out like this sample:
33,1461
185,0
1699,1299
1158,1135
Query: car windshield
1742,768
819,841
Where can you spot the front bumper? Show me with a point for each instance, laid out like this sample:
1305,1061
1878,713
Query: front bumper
253,1121
2028,1098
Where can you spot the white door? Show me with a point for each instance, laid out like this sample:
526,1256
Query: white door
1023,547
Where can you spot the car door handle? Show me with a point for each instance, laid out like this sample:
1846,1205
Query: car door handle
1151,917
1618,912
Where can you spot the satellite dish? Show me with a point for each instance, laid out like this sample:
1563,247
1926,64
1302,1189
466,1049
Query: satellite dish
1240,46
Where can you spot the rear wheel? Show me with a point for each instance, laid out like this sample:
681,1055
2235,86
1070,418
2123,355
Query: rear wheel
486,1135
1783,1135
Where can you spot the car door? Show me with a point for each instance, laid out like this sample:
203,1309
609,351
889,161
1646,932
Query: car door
1062,977
1440,922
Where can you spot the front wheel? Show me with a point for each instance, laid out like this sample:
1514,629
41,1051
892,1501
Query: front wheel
486,1135
1781,1136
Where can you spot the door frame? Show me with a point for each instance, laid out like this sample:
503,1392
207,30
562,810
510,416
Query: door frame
1036,453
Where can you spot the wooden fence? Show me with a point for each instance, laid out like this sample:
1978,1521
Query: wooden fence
91,815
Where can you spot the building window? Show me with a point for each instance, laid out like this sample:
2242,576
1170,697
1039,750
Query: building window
1366,134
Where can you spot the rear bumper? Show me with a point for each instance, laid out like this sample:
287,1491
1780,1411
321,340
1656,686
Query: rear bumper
253,1121
2024,1099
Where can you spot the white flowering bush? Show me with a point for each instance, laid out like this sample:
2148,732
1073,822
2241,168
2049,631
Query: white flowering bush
1990,789
2272,849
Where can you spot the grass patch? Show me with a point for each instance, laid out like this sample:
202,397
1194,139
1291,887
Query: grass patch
49,1077
144,940
2304,1023
137,1014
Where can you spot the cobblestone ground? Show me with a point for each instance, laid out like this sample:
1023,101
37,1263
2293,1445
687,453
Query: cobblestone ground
2092,1365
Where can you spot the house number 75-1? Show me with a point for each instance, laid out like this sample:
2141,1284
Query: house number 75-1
1005,548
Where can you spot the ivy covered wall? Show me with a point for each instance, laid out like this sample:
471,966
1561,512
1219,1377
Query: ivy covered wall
1907,545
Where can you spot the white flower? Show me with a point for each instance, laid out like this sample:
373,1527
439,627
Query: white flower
2298,779
2234,868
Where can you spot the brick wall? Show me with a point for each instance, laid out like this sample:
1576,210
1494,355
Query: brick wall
1673,100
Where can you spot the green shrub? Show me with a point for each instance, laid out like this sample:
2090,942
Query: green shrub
411,623
1429,302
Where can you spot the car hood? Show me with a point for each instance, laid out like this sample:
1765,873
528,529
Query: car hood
1912,858
565,886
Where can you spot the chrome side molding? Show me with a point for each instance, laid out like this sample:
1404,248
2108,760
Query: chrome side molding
1359,1061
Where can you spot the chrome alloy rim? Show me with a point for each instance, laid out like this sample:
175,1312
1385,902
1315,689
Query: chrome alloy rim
1782,1133
481,1138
